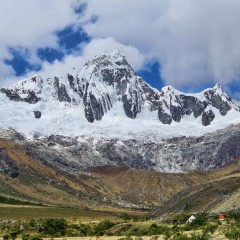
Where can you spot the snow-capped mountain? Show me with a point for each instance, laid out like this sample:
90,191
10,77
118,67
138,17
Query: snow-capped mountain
106,97
174,104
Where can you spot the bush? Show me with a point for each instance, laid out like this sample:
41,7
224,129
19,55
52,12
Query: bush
25,237
210,228
5,237
102,227
14,234
156,230
35,238
123,229
54,227
32,223
234,214
85,230
233,233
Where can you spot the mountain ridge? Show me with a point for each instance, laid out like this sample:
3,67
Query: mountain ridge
104,136
24,177
106,87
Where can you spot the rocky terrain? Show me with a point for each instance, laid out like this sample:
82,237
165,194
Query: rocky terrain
219,194
48,180
180,154
26,178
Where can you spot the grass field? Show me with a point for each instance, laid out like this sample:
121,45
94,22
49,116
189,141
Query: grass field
83,224
8,212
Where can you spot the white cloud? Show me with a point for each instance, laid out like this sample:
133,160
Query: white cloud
195,41
31,24
90,50
99,46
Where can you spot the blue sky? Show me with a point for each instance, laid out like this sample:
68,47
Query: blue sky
188,44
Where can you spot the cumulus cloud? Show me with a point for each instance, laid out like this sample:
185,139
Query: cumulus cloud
195,41
99,46
32,24
90,50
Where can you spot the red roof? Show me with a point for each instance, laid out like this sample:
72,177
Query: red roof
221,216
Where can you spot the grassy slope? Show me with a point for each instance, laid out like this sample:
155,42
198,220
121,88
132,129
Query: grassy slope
106,186
145,187
40,183
221,193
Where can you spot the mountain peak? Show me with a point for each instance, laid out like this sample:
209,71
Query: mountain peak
107,85
218,88
170,89
114,54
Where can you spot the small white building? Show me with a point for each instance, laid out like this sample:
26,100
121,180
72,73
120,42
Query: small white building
191,219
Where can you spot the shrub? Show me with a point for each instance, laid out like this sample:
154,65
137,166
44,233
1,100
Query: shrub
102,227
234,214
14,234
25,237
210,228
157,230
54,227
233,233
5,237
36,238
86,230
32,223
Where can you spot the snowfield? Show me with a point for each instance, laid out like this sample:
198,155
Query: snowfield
63,119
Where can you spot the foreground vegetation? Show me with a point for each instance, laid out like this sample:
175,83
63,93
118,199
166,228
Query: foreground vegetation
126,228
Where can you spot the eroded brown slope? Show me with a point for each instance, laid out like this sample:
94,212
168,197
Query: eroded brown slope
24,177
221,193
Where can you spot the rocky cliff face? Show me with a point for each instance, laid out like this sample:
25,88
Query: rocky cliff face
108,80
180,154
175,105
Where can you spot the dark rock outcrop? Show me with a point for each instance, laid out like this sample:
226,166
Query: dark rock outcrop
7,165
14,96
192,105
37,114
61,91
207,117
164,117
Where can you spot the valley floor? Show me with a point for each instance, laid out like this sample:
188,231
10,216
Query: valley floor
48,223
